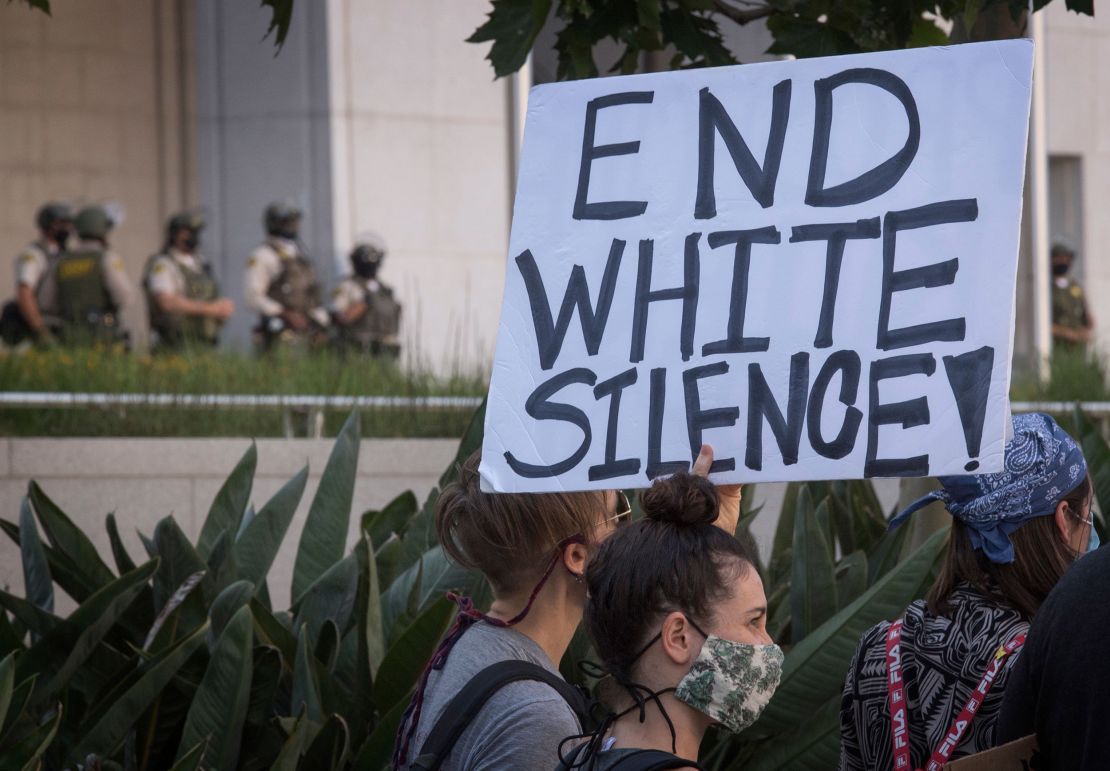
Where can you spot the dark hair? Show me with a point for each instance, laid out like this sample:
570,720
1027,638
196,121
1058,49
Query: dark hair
673,559
509,536
1040,559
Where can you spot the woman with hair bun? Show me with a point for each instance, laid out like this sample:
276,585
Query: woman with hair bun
677,613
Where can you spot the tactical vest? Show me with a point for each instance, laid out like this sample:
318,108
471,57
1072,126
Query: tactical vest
1069,309
377,329
176,329
296,287
84,305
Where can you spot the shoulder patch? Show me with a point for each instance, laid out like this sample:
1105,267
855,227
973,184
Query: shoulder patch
158,267
116,263
27,257
1076,291
252,261
337,293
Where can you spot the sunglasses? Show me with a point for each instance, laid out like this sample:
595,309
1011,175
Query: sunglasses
623,509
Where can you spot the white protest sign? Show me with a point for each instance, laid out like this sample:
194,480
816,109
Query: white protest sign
809,265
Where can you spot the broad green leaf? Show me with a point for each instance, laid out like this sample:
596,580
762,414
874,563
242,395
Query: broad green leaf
814,669
178,560
35,619
369,609
258,545
324,537
468,445
26,754
813,577
304,731
889,552
376,751
21,698
815,745
306,684
327,645
123,560
114,720
512,26
270,631
426,581
331,597
1097,454
225,606
393,518
37,583
222,569
331,748
406,658
180,595
926,33
265,681
10,639
62,651
68,539
7,685
63,570
220,704
851,578
190,761
230,502
281,16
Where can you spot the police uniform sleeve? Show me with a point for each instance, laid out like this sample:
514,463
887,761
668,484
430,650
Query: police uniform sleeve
342,297
259,275
161,277
29,268
116,281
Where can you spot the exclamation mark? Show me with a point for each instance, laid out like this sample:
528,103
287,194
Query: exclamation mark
969,375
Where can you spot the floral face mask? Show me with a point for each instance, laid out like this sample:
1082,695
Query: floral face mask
731,682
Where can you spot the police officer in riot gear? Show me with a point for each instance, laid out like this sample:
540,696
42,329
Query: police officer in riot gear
183,299
86,287
281,284
364,309
1072,322
23,319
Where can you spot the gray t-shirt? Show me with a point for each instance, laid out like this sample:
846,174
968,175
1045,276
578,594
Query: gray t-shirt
519,727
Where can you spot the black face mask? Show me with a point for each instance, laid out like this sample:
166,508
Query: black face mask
59,237
1060,268
290,234
366,269
190,243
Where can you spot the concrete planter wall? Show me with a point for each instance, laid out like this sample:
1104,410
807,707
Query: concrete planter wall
144,480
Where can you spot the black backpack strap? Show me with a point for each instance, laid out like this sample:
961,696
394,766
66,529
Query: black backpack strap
470,699
652,760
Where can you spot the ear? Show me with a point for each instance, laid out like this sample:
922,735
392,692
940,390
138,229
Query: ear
1063,522
574,559
680,641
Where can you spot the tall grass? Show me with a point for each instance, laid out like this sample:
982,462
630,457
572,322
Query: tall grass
285,372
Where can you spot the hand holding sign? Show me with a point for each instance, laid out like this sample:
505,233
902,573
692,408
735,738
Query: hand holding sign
781,259
728,496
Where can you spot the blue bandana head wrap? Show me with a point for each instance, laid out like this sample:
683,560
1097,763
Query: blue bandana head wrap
1042,465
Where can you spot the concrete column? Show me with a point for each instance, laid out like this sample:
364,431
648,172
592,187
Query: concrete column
263,134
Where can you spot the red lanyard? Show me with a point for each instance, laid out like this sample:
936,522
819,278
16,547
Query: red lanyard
896,700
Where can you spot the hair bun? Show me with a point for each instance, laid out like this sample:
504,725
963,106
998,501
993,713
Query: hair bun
682,499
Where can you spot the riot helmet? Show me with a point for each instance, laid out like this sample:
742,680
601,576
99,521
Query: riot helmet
367,255
191,223
94,222
55,221
283,220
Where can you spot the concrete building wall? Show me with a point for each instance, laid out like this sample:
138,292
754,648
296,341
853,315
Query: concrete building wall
1077,58
421,155
95,105
263,125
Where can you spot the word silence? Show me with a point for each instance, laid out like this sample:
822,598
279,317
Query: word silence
809,265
